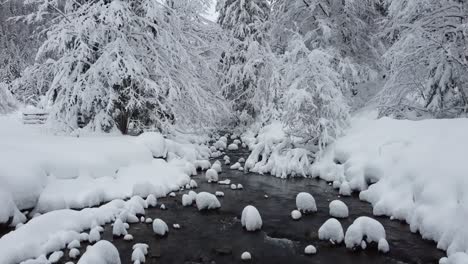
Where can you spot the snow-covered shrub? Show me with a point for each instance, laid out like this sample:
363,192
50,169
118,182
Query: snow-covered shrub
305,202
332,231
251,218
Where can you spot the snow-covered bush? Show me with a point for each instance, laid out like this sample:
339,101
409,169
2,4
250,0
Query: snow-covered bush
332,231
251,218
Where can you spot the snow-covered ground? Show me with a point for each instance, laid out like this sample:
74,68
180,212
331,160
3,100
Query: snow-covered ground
46,172
409,170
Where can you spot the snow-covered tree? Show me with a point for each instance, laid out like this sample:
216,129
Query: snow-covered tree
246,67
7,101
428,59
117,64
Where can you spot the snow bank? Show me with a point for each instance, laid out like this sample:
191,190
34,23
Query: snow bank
331,230
251,218
410,170
103,252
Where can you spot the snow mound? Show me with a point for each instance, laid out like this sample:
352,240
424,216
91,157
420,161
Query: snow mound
219,194
160,227
310,250
331,230
55,257
207,201
74,244
305,202
118,229
251,218
187,200
362,227
73,253
155,142
456,258
193,184
211,175
233,147
246,256
103,252
236,166
240,187
151,200
233,186
345,189
338,209
128,237
138,256
296,215
217,167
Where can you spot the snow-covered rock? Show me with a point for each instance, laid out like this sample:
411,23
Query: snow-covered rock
74,244
227,162
455,258
362,227
176,226
192,195
251,218
338,209
226,157
84,236
296,215
220,144
202,164
118,229
336,184
94,235
225,182
383,245
160,227
138,256
149,220
163,207
305,202
217,167
345,189
211,175
239,186
246,256
240,168
186,200
236,141
207,201
233,186
128,237
219,194
241,160
236,166
103,252
55,257
193,184
233,147
73,253
310,250
332,231
172,194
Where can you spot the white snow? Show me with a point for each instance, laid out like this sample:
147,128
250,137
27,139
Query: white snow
233,186
332,231
172,194
383,245
138,256
118,229
74,253
151,200
187,200
345,189
246,256
128,237
225,182
251,218
149,220
74,244
207,201
310,250
338,209
193,184
305,202
296,215
217,167
211,175
160,227
143,247
55,257
239,186
364,227
455,258
236,166
219,194
103,252
233,147
94,235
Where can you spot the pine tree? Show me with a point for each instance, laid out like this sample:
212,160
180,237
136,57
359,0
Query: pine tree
247,65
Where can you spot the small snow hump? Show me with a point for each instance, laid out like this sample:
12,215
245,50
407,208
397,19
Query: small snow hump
296,215
103,252
310,250
338,209
368,228
331,230
118,229
160,227
211,175
207,201
305,202
233,147
251,218
246,256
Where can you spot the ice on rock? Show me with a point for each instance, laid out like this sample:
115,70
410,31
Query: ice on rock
383,245
305,202
149,220
251,218
103,252
128,237
118,229
331,230
362,227
74,244
233,147
296,215
240,187
310,250
207,201
233,186
219,194
74,253
172,194
138,256
217,167
193,184
338,209
94,235
151,200
345,189
55,257
236,166
187,200
211,175
246,256
160,227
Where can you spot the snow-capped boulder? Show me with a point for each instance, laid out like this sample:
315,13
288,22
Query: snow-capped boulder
149,220
233,147
236,141
226,157
332,231
383,246
193,184
338,209
217,167
211,175
74,244
223,139
202,164
160,227
219,194
345,189
241,160
163,207
186,200
225,182
310,250
172,194
236,166
246,256
176,226
55,257
138,256
336,185
103,252
192,195
240,168
296,215
455,258
364,227
94,235
251,218
207,201
118,229
305,202
128,237
240,187
73,253
233,186
220,145
227,162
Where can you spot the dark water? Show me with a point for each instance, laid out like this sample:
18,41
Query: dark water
218,237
